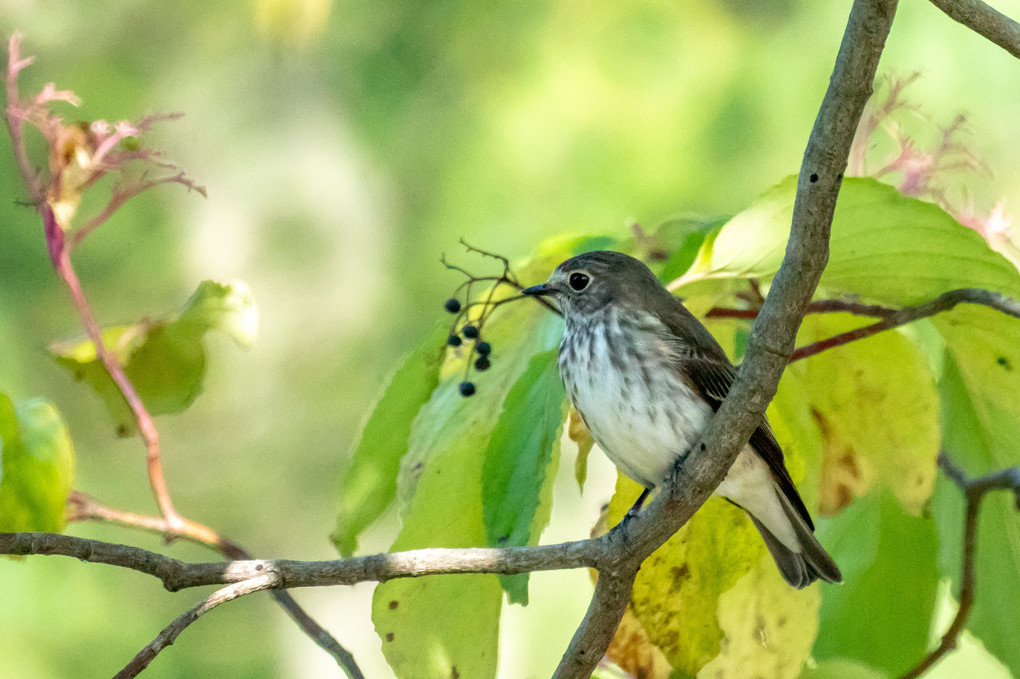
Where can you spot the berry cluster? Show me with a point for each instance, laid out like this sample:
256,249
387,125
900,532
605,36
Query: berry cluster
471,316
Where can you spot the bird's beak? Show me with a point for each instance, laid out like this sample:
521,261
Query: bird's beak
538,290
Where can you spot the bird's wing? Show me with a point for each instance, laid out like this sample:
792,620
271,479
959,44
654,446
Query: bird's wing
713,378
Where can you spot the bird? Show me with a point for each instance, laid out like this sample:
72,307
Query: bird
645,376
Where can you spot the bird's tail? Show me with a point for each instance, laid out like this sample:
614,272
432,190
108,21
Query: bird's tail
799,567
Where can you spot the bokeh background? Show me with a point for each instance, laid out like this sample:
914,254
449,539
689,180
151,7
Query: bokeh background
345,146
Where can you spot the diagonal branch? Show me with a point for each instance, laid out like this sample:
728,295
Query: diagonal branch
974,491
772,337
173,630
984,20
82,507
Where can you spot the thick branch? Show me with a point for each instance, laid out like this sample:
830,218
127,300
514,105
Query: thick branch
169,634
774,332
984,20
974,491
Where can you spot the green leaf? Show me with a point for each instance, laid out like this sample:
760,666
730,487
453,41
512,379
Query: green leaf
432,627
884,247
980,409
890,580
164,358
37,460
369,483
520,463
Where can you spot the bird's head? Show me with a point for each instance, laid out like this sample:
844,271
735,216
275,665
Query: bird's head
588,283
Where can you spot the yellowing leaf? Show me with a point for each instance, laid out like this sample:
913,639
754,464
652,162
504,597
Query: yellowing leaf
163,358
875,403
677,591
580,435
767,625
36,466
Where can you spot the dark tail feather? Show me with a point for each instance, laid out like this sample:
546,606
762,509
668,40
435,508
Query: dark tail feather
810,564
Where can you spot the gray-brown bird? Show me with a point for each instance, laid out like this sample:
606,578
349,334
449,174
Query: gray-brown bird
646,376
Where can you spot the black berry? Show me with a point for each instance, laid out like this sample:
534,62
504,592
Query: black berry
470,331
467,388
482,363
453,340
452,305
484,348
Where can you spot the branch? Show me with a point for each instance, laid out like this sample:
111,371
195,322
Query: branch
943,302
173,630
891,318
82,507
176,575
974,491
985,21
772,337
821,306
61,255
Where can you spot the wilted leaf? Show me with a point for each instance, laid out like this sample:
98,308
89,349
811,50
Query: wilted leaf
163,358
369,483
521,461
635,653
888,561
37,460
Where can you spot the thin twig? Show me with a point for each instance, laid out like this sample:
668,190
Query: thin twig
943,302
822,306
974,491
146,426
984,20
82,507
173,630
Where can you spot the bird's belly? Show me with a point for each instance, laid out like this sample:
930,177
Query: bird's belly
643,422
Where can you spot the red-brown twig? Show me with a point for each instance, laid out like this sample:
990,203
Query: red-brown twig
822,306
943,302
83,507
891,318
173,630
974,491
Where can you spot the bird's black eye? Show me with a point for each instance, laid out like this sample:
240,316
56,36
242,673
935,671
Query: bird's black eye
579,281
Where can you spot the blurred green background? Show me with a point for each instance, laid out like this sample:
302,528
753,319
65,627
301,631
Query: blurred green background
345,146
